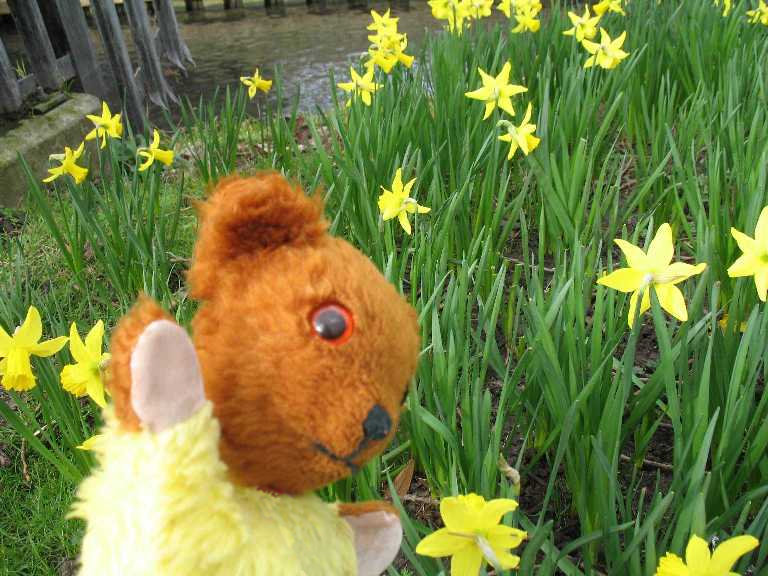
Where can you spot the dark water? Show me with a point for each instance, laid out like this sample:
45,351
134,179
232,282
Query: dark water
302,47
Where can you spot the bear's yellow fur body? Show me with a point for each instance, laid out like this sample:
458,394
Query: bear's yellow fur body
163,505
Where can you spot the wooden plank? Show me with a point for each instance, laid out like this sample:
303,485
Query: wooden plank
78,38
114,44
10,96
42,60
28,85
170,43
159,91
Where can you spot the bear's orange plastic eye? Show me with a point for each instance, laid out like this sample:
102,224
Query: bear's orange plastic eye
333,323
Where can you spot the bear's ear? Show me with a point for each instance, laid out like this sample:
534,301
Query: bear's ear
247,217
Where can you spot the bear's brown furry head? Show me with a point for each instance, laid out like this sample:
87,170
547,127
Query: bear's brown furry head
306,349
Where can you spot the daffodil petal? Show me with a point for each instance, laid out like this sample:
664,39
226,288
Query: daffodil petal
403,219
94,340
746,244
442,543
645,304
502,536
745,265
494,510
727,553
489,107
671,299
697,555
95,389
49,347
761,283
679,271
623,279
761,230
635,256
507,560
76,346
661,250
91,443
31,329
467,562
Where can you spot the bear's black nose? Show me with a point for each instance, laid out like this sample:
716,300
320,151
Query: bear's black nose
377,424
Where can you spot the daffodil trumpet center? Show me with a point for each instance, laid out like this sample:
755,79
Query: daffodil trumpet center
648,279
482,543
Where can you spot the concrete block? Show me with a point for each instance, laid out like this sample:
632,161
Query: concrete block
37,137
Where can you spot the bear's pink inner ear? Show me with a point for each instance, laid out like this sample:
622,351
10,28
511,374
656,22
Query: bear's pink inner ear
378,536
248,217
166,383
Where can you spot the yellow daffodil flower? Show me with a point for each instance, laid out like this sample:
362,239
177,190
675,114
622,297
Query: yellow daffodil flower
84,377
480,8
382,24
473,535
608,53
388,51
759,14
526,21
362,86
505,6
398,203
497,91
700,562
256,83
91,442
754,260
609,6
16,351
533,5
105,125
456,12
584,26
652,269
723,323
154,152
521,136
68,165
727,6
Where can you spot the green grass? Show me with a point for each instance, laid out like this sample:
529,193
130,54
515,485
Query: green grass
36,537
627,442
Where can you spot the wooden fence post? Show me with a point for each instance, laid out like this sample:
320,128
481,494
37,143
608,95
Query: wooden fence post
10,97
112,37
76,29
42,60
232,4
170,43
159,91
53,27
